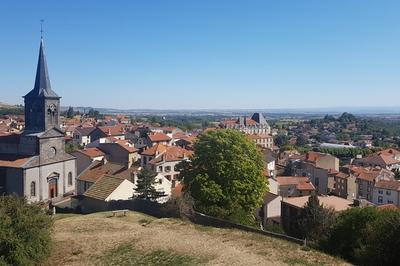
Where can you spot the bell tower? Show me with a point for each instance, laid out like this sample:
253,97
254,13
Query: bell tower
42,104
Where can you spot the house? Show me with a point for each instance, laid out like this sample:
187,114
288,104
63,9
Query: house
106,189
320,168
116,131
291,207
158,138
94,172
345,185
262,140
269,158
291,186
81,135
271,209
166,162
102,184
366,178
386,192
186,142
119,151
86,157
388,159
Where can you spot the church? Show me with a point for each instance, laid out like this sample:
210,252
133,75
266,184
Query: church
34,164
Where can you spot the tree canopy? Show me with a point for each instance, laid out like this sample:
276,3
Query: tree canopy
24,232
225,175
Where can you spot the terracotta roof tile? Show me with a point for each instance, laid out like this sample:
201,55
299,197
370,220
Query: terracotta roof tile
157,137
92,152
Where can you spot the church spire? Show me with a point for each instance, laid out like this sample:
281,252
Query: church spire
42,86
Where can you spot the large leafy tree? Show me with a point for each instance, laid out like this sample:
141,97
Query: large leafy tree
145,185
225,175
24,232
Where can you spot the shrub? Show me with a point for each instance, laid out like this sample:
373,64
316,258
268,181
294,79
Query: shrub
24,232
381,245
346,236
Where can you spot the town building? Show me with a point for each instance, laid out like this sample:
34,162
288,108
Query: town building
254,125
34,164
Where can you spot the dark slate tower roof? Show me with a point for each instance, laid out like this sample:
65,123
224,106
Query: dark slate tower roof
42,82
259,118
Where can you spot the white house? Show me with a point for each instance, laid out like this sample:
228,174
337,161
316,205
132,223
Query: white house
386,192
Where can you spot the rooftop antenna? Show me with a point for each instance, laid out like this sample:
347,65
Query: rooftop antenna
41,28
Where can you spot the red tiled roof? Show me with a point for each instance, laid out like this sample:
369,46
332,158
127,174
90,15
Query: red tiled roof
14,162
127,146
116,130
390,185
157,137
172,154
92,152
155,150
98,170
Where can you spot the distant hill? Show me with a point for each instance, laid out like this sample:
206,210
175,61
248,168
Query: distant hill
137,239
7,106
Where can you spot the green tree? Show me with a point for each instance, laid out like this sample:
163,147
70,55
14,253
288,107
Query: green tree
24,232
397,174
70,112
225,176
145,188
382,241
281,140
346,237
314,221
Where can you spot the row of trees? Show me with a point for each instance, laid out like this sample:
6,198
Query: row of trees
365,236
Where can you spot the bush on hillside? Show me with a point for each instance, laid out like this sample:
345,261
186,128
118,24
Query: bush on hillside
24,232
366,236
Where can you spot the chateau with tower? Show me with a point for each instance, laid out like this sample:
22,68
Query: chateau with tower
34,164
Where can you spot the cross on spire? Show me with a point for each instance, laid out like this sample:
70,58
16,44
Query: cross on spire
41,28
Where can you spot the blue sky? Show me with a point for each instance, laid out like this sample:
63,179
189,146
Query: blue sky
205,54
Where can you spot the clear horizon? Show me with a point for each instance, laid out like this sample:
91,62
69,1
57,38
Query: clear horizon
206,55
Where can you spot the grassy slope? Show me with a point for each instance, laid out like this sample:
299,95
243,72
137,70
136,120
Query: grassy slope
137,239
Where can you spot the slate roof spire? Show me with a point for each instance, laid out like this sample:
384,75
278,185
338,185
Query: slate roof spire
42,86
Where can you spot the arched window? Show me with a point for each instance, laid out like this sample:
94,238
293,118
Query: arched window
33,189
69,179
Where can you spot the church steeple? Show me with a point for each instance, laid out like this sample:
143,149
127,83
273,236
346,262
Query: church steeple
42,104
42,86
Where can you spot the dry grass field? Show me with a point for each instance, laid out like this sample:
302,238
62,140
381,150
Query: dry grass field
137,239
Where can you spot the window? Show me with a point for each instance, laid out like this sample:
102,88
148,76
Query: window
33,189
160,168
388,192
70,179
360,186
380,191
168,177
380,199
167,168
390,201
368,189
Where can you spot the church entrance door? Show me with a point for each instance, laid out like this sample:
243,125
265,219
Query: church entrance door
53,191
